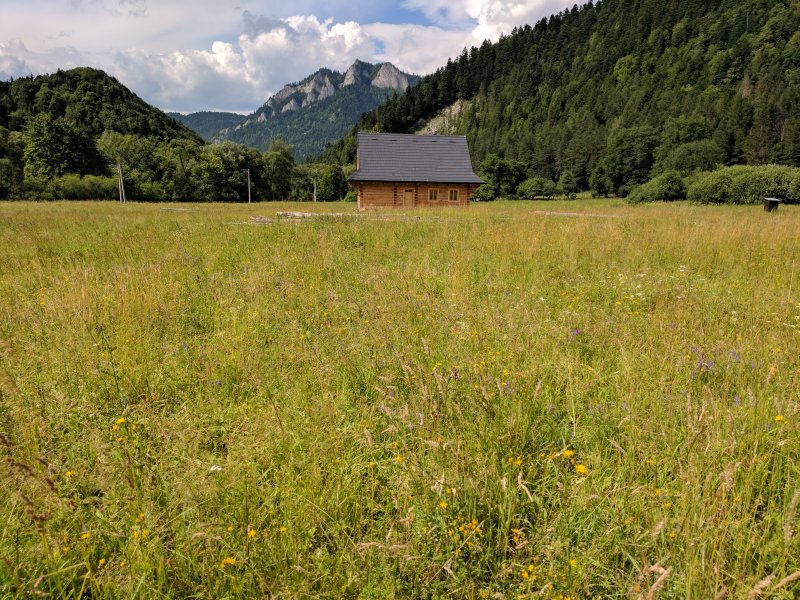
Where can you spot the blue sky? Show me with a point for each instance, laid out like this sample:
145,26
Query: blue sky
190,55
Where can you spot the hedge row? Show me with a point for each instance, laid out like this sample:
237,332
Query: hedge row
730,185
746,185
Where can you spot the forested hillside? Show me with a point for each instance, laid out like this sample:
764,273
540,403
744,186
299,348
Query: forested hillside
89,99
208,123
613,93
62,135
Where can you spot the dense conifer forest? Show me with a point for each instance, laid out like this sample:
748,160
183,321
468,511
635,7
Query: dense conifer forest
610,94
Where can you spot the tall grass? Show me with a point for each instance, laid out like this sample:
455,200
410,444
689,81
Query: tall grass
482,403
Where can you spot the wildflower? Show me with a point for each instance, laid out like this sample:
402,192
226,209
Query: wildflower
667,505
251,533
230,529
581,470
101,562
780,419
524,574
573,563
283,529
120,421
86,535
442,504
69,474
227,562
568,453
398,459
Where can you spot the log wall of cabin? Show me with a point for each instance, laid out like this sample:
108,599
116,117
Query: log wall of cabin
380,194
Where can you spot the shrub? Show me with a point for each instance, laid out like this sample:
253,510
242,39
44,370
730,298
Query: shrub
794,188
90,187
744,185
483,193
668,186
351,196
536,187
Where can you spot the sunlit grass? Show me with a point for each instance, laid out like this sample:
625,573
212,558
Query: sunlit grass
434,403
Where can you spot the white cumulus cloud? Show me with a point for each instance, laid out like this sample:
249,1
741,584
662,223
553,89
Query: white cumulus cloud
191,55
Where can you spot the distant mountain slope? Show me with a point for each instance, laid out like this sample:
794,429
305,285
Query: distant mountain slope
89,98
671,80
208,123
320,109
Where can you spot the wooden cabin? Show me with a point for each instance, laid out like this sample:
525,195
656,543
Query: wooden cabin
413,170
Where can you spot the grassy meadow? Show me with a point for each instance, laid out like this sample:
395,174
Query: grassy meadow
491,402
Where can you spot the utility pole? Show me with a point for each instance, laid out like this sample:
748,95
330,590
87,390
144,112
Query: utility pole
314,179
248,184
122,198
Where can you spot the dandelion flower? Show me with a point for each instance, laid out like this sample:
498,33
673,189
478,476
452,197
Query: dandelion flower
442,504
581,470
568,453
251,533
780,419
86,535
573,563
398,459
101,562
69,474
120,421
227,562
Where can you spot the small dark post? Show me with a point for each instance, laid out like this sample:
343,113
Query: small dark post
771,204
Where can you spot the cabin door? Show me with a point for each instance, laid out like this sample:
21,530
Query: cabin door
408,197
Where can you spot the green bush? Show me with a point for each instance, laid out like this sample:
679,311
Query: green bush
668,186
794,189
536,187
744,185
484,193
351,196
90,187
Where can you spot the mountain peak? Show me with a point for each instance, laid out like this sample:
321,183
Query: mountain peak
389,76
359,72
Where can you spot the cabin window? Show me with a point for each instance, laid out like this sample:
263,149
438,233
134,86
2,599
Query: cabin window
433,195
453,195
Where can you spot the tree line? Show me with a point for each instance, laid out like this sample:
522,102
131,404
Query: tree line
63,135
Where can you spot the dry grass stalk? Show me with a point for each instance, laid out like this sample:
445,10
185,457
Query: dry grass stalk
787,580
760,587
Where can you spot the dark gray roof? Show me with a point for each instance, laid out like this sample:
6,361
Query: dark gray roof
414,158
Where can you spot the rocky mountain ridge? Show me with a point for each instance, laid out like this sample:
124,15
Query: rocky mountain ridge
327,99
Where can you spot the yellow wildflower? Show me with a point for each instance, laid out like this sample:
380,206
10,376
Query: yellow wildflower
581,470
227,562
573,563
69,474
780,419
101,562
568,453
120,421
251,533
442,504
398,459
